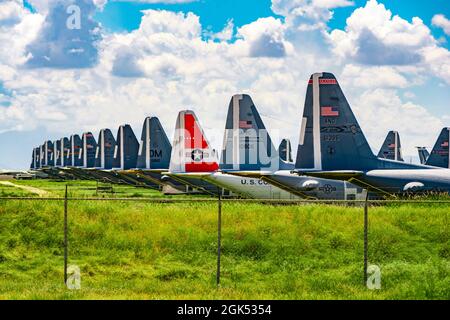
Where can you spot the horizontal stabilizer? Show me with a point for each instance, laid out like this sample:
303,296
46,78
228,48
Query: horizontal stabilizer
335,175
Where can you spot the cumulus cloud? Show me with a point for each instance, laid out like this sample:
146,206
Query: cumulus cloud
264,38
439,20
11,12
373,36
68,37
226,34
307,14
380,110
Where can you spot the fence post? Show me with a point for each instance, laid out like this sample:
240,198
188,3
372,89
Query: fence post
65,237
219,235
366,231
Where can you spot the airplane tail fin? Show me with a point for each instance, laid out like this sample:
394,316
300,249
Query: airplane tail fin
247,144
34,159
391,148
439,156
65,152
126,152
57,146
191,150
89,148
75,151
285,155
330,136
423,154
49,157
41,156
285,150
104,156
155,148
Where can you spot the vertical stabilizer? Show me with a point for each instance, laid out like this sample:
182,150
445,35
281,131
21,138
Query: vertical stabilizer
155,148
439,156
247,144
76,151
127,148
391,148
104,154
423,154
330,136
191,150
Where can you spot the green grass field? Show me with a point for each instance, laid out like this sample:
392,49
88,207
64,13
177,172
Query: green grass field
139,250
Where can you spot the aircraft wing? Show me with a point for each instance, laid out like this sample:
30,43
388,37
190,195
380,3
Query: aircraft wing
335,175
198,175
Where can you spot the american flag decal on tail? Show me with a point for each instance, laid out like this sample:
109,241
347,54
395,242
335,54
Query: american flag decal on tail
245,124
444,144
329,112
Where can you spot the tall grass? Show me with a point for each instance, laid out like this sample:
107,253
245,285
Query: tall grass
137,250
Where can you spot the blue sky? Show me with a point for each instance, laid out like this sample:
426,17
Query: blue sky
123,65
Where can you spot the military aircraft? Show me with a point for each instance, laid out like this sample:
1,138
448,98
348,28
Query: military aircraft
332,145
249,152
439,156
193,157
154,159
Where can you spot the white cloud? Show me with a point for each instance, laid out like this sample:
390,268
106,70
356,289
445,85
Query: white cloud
439,20
381,110
226,34
374,77
373,36
264,38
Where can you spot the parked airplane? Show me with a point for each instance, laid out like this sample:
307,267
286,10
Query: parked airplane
192,156
249,152
154,159
439,156
332,145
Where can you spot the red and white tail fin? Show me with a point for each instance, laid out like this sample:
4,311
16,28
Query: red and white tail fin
191,151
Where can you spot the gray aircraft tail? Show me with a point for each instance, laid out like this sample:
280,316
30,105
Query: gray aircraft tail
423,154
36,159
285,150
41,156
57,153
88,149
104,155
48,154
330,136
247,144
391,148
439,156
155,148
285,155
127,148
75,151
66,160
